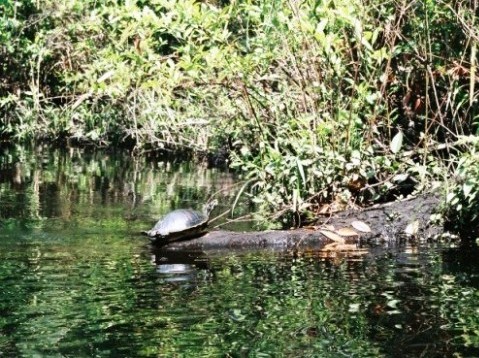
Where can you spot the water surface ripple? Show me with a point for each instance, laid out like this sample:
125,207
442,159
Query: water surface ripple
77,280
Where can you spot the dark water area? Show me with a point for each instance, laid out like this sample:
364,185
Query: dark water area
77,279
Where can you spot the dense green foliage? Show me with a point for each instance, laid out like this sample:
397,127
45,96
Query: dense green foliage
463,196
317,101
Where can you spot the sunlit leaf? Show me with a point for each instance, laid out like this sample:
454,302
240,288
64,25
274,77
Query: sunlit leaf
393,303
332,236
301,170
105,76
396,143
344,231
450,196
354,307
467,188
399,178
361,226
412,228
328,227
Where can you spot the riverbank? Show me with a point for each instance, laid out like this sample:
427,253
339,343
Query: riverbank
311,103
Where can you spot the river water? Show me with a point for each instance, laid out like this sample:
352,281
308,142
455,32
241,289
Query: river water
77,280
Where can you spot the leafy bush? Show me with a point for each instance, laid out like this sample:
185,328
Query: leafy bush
462,202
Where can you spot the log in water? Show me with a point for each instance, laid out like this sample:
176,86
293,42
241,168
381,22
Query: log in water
386,222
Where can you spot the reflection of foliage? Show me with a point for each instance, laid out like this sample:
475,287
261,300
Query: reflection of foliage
83,294
295,312
462,312
83,186
74,288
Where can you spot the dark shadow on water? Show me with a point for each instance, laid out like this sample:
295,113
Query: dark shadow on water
463,263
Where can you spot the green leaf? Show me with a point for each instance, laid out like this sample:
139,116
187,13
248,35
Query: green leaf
467,188
449,197
396,143
301,170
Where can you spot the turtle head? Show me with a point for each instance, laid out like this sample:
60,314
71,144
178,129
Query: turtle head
150,233
209,206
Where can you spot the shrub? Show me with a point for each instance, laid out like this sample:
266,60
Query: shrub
462,201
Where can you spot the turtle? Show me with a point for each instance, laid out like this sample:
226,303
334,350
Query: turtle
181,224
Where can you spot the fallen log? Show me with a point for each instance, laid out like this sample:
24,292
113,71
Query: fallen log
385,222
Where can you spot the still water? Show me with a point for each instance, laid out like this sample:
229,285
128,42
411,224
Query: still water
77,280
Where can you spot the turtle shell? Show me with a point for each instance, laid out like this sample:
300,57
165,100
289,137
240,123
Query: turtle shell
179,224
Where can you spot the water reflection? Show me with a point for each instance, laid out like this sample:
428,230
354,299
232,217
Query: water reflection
179,267
74,183
77,279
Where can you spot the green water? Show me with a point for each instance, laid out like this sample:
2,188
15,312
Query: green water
76,279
